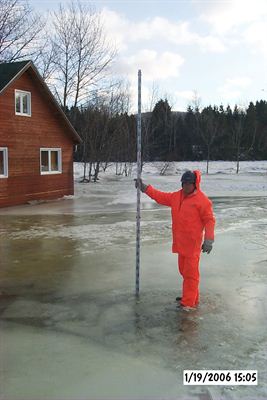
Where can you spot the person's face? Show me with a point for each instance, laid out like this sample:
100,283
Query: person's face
188,188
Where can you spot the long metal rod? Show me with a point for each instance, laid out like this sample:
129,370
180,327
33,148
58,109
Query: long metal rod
138,213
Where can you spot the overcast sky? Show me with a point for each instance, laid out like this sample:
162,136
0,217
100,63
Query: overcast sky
216,48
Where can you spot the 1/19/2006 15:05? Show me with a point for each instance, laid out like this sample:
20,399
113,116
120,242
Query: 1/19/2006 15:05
220,377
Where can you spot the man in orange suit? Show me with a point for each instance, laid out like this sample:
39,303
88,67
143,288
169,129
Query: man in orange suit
192,216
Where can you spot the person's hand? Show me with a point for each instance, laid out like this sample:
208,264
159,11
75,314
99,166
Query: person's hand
207,246
139,183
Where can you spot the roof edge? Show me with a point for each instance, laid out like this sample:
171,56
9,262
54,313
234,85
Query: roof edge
23,69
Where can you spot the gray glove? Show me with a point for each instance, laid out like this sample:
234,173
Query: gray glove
207,246
139,183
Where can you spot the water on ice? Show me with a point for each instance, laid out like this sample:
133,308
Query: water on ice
71,326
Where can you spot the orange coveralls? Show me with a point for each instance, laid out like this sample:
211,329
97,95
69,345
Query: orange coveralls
191,216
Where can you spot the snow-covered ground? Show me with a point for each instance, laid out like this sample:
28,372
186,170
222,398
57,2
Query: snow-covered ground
222,179
71,327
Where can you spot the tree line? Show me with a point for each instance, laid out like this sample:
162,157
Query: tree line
213,133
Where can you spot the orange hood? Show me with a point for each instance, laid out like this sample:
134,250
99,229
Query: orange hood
198,178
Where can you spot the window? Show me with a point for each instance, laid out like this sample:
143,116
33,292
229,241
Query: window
50,160
3,162
23,103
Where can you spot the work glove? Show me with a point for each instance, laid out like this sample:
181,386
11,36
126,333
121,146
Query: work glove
207,246
139,183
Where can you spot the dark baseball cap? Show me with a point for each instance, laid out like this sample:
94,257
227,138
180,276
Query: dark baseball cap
188,177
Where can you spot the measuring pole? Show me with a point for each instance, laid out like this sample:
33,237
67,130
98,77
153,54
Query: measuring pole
138,214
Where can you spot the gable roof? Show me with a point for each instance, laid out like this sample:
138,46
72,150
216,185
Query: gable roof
9,72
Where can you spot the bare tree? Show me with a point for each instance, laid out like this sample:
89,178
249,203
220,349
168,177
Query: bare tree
45,59
153,98
105,130
83,53
20,30
117,96
121,136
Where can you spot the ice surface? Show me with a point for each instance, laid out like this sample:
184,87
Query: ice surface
71,326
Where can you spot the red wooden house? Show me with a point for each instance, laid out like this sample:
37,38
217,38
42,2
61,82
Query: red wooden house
36,138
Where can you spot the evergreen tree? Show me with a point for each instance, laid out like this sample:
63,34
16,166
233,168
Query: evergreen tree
261,135
188,135
207,128
251,125
160,133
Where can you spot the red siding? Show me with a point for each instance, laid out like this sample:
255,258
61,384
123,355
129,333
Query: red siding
24,136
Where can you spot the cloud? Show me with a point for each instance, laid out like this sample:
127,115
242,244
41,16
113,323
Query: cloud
185,94
185,97
154,65
225,17
240,81
232,87
160,46
115,28
211,44
126,32
243,22
255,35
176,33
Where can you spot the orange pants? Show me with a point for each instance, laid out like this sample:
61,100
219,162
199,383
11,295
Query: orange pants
189,269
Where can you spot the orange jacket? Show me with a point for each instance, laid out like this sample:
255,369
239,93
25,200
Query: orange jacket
191,215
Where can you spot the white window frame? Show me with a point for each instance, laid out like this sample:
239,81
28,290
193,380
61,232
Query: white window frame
5,158
23,92
50,172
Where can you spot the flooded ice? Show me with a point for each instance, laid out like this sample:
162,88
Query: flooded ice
71,326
